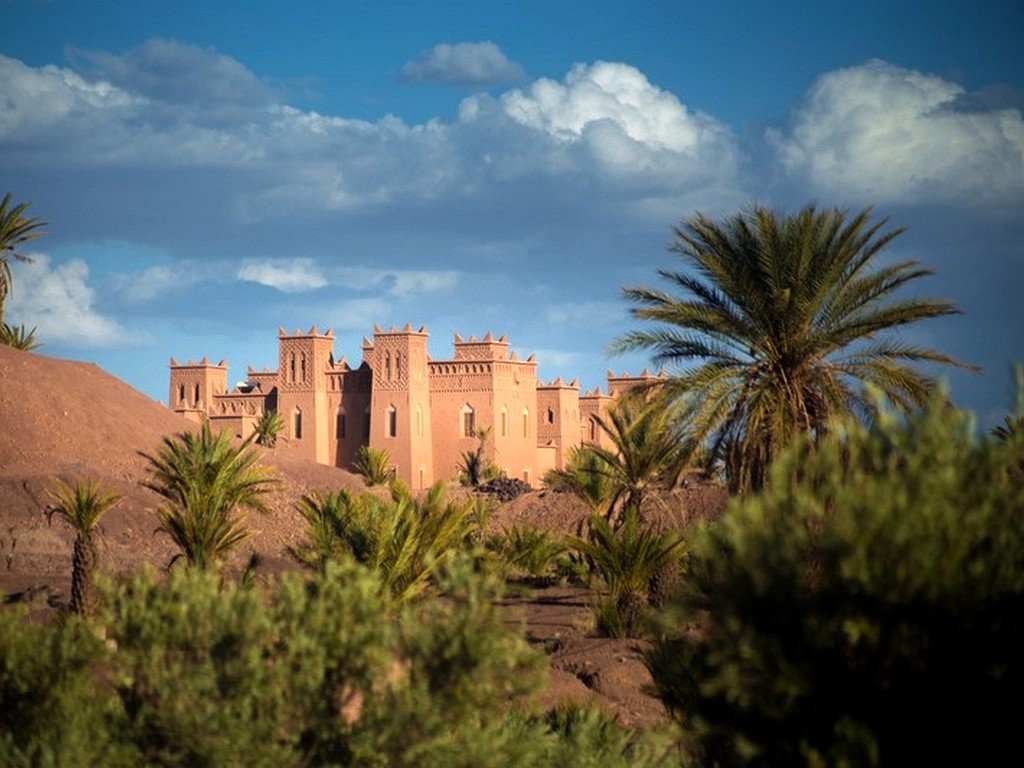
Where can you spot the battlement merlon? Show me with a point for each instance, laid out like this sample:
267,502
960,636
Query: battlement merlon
204,363
312,333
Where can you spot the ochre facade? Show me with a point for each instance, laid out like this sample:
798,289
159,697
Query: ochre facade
425,413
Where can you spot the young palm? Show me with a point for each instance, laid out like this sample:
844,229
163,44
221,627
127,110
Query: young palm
373,465
787,318
586,475
268,427
82,505
630,559
19,337
205,480
15,229
649,448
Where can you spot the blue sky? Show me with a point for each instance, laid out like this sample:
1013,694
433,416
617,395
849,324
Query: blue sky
211,171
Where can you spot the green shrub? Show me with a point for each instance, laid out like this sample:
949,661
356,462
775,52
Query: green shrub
192,670
404,540
629,559
528,551
866,608
373,465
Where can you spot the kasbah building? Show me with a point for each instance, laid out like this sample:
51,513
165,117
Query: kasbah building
425,413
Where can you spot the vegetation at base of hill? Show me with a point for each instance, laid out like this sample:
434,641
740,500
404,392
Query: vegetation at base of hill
19,337
191,670
268,428
786,317
16,229
866,608
373,465
630,560
205,480
82,506
527,551
404,540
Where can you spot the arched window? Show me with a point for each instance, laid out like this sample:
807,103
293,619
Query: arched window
526,422
468,421
593,429
340,424
196,399
551,416
297,423
181,394
392,421
504,421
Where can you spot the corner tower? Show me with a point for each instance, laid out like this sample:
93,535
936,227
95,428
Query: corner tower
193,386
303,359
400,402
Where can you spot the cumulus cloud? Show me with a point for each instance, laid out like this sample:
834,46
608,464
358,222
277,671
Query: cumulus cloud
59,302
286,275
603,133
610,116
887,134
463,64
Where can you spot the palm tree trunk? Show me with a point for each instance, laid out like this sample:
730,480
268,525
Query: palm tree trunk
83,566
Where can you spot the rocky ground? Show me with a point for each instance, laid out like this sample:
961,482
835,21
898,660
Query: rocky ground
72,420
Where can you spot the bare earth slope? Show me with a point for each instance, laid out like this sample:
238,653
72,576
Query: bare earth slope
72,420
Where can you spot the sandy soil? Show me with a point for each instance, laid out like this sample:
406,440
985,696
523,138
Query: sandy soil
72,420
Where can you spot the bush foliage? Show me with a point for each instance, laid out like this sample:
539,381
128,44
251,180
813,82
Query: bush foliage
321,671
866,608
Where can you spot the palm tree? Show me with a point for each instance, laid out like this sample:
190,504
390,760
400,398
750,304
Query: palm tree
648,449
15,229
81,506
586,476
205,480
268,428
787,317
404,540
374,465
629,559
19,337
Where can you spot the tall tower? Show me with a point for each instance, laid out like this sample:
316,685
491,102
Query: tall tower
303,359
400,402
193,386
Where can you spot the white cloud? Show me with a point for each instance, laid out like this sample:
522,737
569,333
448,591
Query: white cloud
58,301
288,276
604,132
887,134
463,64
607,116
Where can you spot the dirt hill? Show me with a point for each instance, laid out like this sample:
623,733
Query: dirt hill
73,420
